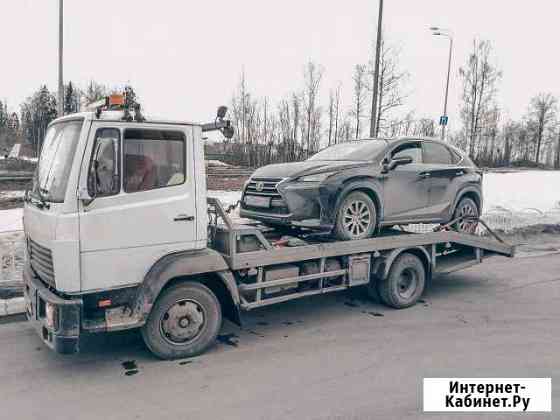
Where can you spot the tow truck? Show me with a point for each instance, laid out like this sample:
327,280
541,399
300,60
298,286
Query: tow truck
120,234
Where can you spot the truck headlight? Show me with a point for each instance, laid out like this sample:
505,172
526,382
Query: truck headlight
316,177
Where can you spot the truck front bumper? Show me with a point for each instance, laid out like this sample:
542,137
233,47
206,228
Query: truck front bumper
56,319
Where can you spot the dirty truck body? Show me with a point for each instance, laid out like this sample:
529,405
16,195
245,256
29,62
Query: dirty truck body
162,256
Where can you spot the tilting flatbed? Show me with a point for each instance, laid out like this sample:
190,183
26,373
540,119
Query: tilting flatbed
360,262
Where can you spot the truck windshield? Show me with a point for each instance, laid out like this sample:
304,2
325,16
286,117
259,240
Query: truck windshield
57,153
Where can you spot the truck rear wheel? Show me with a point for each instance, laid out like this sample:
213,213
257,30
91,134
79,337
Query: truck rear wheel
184,321
405,283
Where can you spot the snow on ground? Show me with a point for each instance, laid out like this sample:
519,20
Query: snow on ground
214,162
10,220
522,190
514,191
14,153
11,194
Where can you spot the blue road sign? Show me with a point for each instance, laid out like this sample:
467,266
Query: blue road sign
443,120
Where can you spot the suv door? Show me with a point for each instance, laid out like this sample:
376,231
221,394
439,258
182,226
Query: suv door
405,190
144,206
445,178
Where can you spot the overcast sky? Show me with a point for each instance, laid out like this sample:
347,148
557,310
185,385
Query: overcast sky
184,57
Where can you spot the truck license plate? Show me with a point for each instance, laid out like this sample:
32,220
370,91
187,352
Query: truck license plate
257,201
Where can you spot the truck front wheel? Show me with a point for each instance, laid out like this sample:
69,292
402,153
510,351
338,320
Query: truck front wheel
405,283
184,321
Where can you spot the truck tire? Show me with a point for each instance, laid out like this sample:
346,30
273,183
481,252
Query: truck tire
184,321
405,283
356,217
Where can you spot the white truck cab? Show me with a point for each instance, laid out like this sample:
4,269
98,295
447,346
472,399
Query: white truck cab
112,197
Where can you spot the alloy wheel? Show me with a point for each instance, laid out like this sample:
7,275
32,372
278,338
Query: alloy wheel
357,218
467,210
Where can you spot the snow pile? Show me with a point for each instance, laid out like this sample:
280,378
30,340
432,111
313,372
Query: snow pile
517,191
14,153
215,162
11,194
10,220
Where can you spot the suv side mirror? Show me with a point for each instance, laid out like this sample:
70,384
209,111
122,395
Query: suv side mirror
401,160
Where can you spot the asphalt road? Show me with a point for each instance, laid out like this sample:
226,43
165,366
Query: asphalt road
337,356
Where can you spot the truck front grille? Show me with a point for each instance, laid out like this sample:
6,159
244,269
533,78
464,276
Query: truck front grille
41,261
264,186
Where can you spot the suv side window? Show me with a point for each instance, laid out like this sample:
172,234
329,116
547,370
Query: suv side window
104,169
408,149
153,159
436,153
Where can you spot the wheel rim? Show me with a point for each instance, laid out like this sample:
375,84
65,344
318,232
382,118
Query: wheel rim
356,218
407,283
182,322
467,210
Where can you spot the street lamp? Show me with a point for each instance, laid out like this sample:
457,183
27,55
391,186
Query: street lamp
446,33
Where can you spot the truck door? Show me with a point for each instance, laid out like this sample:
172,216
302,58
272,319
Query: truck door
143,183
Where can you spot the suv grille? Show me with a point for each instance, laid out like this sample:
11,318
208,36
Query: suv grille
264,186
41,261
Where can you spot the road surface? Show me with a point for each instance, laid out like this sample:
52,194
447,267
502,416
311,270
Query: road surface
337,356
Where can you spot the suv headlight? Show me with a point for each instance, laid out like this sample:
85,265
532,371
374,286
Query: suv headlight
316,177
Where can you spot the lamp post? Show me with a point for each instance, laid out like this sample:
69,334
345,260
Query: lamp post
60,62
373,129
446,33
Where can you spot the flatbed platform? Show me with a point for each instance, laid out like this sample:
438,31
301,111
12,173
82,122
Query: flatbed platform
322,264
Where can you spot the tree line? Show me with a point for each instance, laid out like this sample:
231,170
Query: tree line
298,125
39,109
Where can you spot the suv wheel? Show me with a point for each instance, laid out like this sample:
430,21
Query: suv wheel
466,208
356,217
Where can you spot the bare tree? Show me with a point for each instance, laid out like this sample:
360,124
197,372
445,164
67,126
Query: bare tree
480,78
557,158
337,113
360,91
391,81
542,111
312,80
331,117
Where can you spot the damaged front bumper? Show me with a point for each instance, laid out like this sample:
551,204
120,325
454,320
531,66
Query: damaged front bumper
300,205
56,319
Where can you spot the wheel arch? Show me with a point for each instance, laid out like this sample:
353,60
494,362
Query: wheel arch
418,251
366,185
205,266
468,192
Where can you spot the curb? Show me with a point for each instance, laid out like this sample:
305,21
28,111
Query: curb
13,306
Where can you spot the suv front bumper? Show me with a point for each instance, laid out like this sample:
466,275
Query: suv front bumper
63,335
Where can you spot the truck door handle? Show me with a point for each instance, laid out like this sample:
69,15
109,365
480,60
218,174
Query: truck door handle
183,218
425,175
459,173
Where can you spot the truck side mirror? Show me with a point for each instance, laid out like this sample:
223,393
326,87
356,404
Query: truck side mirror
222,111
103,177
228,132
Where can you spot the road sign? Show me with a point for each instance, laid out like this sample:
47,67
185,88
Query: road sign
443,120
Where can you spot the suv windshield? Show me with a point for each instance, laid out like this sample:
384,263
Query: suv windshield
364,150
56,159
